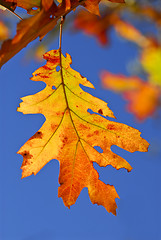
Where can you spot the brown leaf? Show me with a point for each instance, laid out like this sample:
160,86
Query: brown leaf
47,4
27,30
27,4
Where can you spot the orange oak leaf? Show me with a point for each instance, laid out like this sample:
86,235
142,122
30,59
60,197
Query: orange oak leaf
143,97
98,26
70,133
93,5
94,25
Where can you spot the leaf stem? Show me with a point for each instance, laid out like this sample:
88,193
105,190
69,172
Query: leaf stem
60,37
60,58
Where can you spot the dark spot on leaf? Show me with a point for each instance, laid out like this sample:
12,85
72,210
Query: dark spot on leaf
26,158
59,113
65,140
89,135
53,127
37,135
100,111
46,68
43,76
111,127
26,155
83,126
54,60
96,132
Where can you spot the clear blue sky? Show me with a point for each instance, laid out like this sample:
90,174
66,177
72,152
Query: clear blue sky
30,208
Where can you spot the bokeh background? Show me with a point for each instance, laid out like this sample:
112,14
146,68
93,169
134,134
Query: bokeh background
30,208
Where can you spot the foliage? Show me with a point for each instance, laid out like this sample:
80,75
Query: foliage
71,132
76,122
143,96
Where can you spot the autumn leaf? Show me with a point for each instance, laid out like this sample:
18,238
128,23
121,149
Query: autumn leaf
143,97
151,13
98,27
151,62
27,30
94,25
4,31
31,28
93,5
41,23
129,32
71,132
47,4
27,5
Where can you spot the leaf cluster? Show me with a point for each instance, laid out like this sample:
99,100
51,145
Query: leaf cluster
71,132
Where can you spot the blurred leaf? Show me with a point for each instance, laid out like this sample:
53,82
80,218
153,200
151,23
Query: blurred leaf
151,62
4,31
143,97
94,25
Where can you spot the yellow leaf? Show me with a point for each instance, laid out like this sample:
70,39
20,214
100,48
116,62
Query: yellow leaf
151,62
70,133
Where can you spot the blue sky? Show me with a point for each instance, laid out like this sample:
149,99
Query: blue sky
30,208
